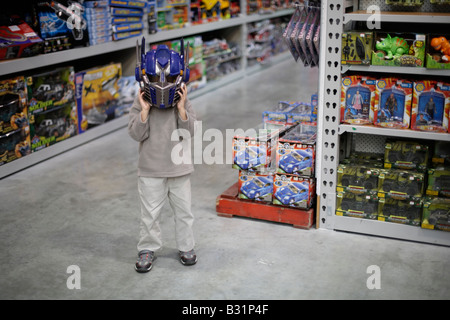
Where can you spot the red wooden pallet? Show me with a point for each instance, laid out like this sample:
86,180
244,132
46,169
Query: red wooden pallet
228,205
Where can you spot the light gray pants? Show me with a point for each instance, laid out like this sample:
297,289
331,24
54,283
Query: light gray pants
153,193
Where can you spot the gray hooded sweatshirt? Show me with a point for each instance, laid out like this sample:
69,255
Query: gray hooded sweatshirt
155,137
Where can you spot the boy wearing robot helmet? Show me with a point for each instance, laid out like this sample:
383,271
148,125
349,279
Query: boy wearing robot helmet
160,109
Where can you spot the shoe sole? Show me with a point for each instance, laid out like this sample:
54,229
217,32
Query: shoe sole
188,263
145,270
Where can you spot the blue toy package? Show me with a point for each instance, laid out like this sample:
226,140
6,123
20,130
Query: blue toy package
314,105
299,113
255,186
293,191
278,114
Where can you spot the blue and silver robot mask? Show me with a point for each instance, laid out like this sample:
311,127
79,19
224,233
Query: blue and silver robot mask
161,73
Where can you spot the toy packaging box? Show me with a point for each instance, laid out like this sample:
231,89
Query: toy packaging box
438,182
401,184
364,206
293,191
408,155
399,49
438,51
278,113
358,179
97,92
401,211
255,186
13,105
301,112
357,99
431,106
393,103
50,89
436,214
441,153
14,145
18,41
357,47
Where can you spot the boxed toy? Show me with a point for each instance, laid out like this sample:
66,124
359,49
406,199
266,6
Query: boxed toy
357,99
401,184
13,104
401,211
393,103
358,179
431,106
406,155
399,49
52,126
314,105
293,191
357,205
97,91
438,52
255,186
50,89
302,112
357,47
18,41
438,182
441,153
278,113
436,214
14,145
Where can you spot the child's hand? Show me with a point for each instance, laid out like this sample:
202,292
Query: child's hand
144,105
180,105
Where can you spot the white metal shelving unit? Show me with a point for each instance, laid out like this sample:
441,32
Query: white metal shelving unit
330,131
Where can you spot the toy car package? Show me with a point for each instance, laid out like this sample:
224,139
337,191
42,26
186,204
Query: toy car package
357,205
13,104
19,40
438,182
438,51
408,155
441,153
436,214
255,186
393,103
14,145
301,112
357,47
278,114
401,211
293,191
431,106
357,99
358,179
401,184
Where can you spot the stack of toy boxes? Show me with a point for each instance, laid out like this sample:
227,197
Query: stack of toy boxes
98,19
294,183
436,205
51,107
97,93
14,128
127,18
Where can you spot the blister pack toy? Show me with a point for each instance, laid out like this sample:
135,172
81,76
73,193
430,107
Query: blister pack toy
408,155
357,205
393,103
255,186
431,106
436,214
438,182
293,191
357,99
401,211
438,51
401,184
357,47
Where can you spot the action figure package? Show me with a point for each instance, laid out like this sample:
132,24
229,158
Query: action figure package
255,186
401,211
50,89
401,184
399,49
438,51
357,99
15,145
97,93
393,103
358,179
357,47
13,105
52,126
18,40
357,205
436,214
439,182
431,106
408,155
293,191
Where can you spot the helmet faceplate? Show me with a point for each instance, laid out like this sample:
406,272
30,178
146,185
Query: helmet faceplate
160,73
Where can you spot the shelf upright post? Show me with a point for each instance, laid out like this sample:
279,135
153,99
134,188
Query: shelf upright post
332,14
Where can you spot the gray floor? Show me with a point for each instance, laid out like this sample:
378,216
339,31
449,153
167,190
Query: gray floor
81,208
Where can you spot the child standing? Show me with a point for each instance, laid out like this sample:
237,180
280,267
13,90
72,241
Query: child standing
160,179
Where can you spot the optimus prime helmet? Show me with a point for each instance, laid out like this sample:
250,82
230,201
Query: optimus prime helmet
161,73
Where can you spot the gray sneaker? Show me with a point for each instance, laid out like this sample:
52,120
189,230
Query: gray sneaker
144,262
188,258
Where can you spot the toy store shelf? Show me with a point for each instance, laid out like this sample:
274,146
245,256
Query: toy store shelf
63,146
391,230
407,17
401,70
229,205
403,133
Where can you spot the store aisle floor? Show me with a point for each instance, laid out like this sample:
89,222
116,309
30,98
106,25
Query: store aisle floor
81,209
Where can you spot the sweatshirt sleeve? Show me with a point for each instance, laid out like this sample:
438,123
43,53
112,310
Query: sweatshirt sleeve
189,123
137,129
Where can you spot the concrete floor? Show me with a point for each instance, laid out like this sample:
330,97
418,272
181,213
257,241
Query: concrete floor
81,208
